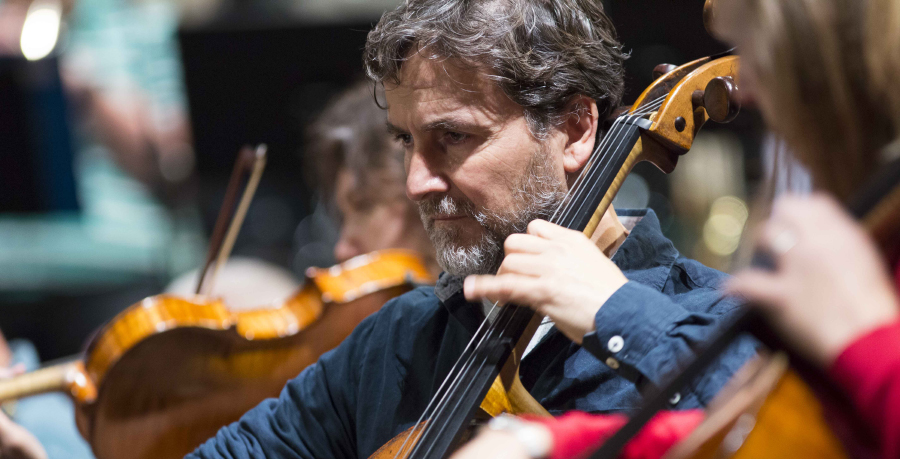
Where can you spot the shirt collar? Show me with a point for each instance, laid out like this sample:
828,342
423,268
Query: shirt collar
646,256
447,286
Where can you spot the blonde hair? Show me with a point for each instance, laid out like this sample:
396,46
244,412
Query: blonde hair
828,76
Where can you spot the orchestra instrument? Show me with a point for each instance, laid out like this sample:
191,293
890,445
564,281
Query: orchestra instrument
166,373
659,127
773,407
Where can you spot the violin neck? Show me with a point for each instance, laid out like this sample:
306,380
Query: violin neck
70,378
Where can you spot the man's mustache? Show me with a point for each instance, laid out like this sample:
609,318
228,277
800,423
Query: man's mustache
445,205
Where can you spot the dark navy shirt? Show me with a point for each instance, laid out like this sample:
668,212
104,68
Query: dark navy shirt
379,380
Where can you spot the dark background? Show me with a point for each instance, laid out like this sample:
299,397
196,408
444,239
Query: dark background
256,75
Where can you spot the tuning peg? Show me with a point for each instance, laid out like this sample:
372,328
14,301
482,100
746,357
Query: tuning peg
662,69
720,99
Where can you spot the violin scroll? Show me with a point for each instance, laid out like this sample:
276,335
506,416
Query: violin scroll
663,69
693,93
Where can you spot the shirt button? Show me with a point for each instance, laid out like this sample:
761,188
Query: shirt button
612,363
675,398
615,344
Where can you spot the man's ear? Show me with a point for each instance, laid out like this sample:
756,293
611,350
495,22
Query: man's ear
580,128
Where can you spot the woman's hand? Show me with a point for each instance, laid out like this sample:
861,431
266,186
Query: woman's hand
15,441
18,443
830,285
555,271
508,437
493,444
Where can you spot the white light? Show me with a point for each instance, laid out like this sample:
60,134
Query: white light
41,29
725,226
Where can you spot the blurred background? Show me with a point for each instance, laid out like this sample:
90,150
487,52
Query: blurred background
120,121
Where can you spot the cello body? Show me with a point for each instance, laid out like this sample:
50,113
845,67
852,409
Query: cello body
165,374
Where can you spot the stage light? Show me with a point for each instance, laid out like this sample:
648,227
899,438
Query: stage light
41,29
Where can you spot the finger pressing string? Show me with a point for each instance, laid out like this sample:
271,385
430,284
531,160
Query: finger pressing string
526,243
524,264
505,288
547,230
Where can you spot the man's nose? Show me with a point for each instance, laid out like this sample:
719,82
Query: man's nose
345,249
424,178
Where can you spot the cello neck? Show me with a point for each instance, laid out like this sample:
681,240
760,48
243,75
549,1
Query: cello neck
70,378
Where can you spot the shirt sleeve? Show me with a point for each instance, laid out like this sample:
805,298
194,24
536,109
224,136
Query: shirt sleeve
647,337
869,370
312,418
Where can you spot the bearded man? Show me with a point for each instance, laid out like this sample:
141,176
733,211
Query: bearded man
496,103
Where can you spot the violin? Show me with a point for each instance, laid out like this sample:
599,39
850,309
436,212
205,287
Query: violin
659,128
166,373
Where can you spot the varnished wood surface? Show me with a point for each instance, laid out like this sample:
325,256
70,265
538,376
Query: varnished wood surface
767,411
679,104
70,378
662,144
169,372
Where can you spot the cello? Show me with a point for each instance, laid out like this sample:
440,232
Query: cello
166,373
659,128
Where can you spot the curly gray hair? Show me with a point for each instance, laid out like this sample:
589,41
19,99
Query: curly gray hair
541,53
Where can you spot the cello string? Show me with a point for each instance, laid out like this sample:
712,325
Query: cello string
594,185
495,324
643,110
591,162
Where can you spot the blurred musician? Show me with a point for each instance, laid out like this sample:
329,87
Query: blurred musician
832,294
824,75
493,137
359,168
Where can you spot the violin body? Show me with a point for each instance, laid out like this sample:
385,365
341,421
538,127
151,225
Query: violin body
765,411
168,372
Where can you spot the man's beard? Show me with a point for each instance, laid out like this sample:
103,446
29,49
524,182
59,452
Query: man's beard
537,196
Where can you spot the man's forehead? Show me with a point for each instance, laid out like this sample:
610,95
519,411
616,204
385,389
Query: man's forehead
422,71
441,84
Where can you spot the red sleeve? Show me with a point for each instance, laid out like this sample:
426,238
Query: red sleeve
869,370
576,433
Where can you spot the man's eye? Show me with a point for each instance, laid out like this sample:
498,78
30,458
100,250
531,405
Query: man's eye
454,138
404,139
